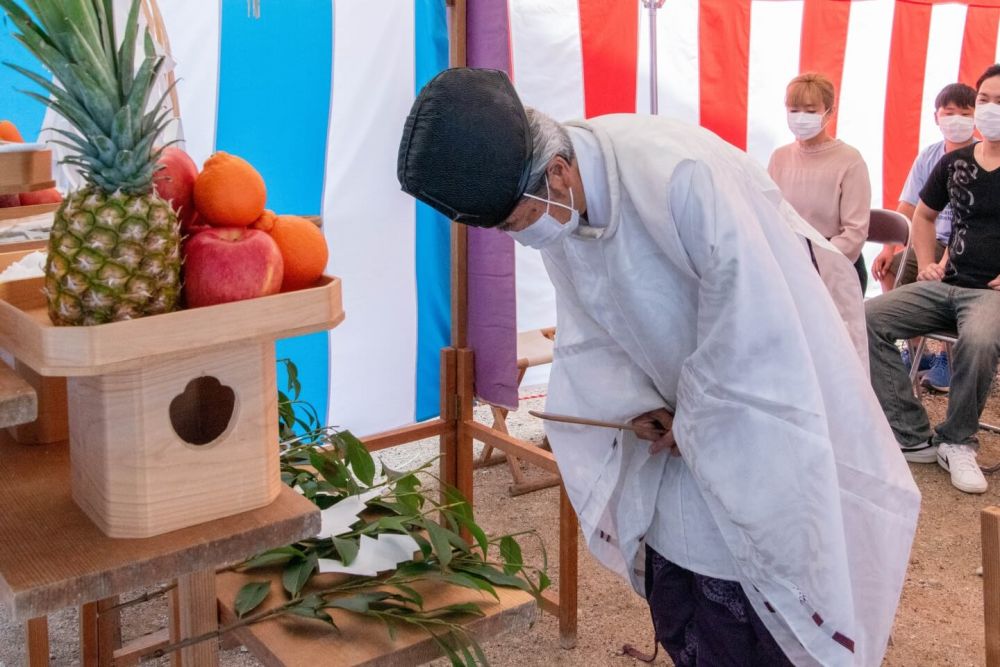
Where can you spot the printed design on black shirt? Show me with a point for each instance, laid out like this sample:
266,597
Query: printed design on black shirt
962,200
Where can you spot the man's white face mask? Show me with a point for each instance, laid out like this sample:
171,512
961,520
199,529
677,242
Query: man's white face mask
547,230
956,129
805,125
988,120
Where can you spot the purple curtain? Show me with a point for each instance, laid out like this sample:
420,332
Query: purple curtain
492,295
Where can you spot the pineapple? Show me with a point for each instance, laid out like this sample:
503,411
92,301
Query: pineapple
114,249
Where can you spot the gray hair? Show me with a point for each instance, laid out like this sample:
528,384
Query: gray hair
548,139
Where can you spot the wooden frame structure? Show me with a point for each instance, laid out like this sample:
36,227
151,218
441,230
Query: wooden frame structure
457,427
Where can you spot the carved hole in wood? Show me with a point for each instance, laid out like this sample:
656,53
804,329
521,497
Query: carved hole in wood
203,413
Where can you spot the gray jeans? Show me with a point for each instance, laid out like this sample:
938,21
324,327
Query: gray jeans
926,307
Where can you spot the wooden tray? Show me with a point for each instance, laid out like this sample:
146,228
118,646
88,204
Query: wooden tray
13,215
25,171
27,333
361,642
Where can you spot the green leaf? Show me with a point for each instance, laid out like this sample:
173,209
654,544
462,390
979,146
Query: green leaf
406,492
468,581
543,581
440,539
510,552
362,463
294,386
495,576
297,573
359,603
250,597
392,474
410,594
348,549
312,613
397,523
464,608
277,556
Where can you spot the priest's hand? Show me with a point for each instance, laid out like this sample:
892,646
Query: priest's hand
655,426
994,284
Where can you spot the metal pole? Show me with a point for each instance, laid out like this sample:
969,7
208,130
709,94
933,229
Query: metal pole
654,92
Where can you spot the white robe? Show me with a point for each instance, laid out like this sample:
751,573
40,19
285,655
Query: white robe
716,311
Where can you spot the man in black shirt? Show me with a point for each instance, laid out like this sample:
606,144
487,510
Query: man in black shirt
961,294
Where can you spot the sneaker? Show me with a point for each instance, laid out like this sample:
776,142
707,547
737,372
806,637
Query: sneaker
926,360
925,452
960,461
939,376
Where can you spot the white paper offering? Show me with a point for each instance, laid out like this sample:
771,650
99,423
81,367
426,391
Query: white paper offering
374,556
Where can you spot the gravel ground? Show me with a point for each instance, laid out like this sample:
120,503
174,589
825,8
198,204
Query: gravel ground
940,620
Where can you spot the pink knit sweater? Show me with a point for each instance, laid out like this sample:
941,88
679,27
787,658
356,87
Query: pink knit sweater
828,186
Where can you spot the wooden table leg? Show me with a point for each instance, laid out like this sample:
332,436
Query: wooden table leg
100,632
195,612
36,636
568,559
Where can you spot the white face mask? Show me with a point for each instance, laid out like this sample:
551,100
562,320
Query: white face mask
956,129
805,125
547,230
988,120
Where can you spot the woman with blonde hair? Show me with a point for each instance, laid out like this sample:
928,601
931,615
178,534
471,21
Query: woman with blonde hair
824,179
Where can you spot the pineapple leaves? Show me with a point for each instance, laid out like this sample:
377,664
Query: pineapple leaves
126,54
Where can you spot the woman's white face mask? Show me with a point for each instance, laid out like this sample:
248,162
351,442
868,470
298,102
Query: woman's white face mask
547,230
956,129
805,125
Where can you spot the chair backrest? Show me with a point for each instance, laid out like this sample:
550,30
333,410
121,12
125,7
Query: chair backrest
885,226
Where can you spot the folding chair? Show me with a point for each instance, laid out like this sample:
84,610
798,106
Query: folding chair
534,348
885,226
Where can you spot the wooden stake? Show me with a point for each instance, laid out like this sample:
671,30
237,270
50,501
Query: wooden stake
37,641
990,522
568,561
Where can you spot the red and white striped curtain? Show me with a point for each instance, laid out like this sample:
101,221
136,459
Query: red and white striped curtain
725,63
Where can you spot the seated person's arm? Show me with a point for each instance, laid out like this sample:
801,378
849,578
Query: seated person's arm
924,239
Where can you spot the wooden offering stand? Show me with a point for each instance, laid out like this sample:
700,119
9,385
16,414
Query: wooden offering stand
161,407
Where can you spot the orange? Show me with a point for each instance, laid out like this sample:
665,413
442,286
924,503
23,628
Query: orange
229,192
303,251
8,132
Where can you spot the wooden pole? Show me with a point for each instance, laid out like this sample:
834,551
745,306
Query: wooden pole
990,522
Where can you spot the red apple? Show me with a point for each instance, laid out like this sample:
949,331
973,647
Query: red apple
230,264
50,196
7,201
175,183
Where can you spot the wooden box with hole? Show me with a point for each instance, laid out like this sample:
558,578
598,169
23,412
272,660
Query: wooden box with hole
172,418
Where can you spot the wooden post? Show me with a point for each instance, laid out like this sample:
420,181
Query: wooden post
568,529
36,632
466,401
196,613
990,522
448,443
